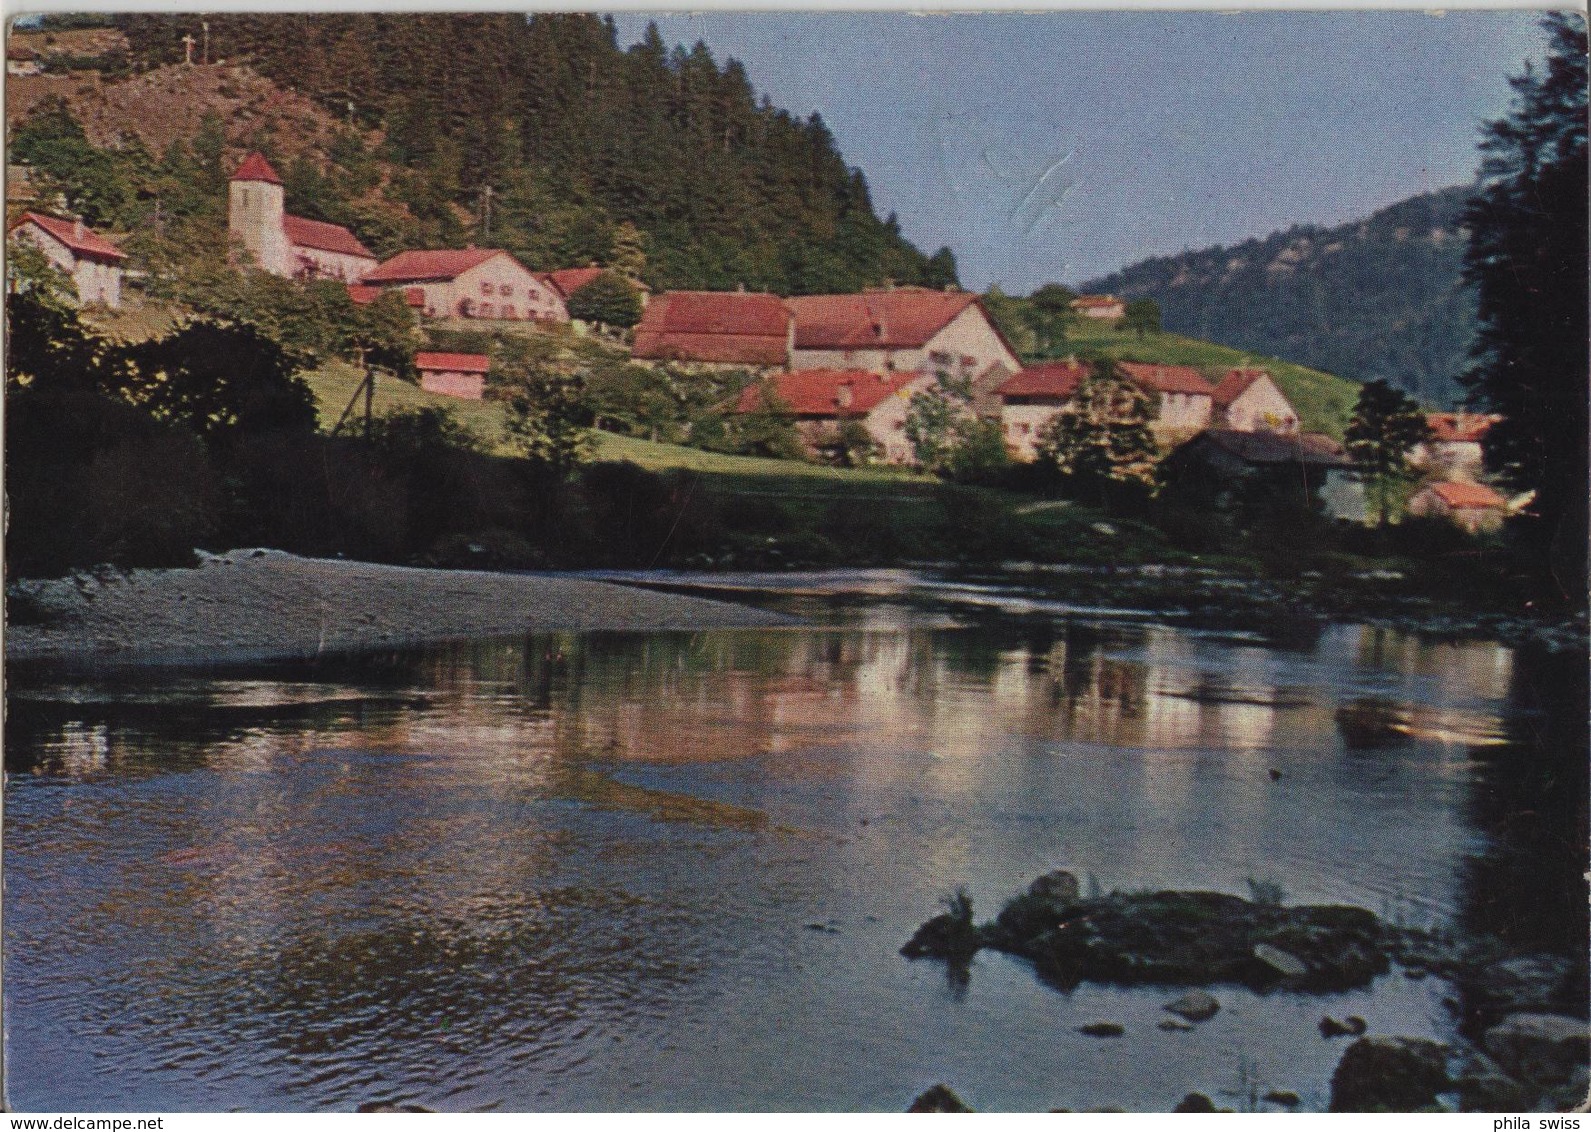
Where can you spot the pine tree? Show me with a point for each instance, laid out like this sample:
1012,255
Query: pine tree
1386,424
1527,260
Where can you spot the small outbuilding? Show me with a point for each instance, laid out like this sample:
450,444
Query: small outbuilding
1473,506
453,375
821,401
1248,400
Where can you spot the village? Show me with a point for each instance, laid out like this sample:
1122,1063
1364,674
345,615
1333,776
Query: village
844,370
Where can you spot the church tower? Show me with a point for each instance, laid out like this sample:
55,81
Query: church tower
254,216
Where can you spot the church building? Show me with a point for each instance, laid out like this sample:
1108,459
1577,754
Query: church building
290,246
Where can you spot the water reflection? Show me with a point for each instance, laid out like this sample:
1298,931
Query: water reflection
579,872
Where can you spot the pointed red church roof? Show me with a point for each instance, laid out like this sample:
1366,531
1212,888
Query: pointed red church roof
256,168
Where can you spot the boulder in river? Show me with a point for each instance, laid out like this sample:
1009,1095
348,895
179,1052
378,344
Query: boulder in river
1543,1049
1196,1102
1190,939
1195,1006
1389,1074
950,936
1353,1026
1102,1030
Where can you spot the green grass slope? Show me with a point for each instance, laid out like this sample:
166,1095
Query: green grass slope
1324,401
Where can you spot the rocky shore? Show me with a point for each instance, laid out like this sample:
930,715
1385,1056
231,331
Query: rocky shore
1520,1038
267,605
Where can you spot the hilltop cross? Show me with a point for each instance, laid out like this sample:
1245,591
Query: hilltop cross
187,45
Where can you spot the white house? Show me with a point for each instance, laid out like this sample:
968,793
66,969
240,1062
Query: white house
904,330
1248,400
1030,400
822,400
472,283
93,262
1184,401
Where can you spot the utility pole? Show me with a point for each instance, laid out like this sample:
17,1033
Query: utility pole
486,212
370,391
187,49
206,25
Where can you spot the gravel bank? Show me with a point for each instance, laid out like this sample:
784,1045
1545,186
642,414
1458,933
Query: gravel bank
260,605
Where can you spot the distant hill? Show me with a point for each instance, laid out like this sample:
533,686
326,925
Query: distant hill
1373,298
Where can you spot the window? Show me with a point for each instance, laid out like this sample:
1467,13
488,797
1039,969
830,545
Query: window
505,289
486,311
508,310
486,286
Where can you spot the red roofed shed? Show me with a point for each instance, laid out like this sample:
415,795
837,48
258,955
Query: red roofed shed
453,375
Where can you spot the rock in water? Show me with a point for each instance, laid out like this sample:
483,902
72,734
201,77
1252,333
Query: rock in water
1544,1049
1352,1025
1285,965
938,1098
1174,1025
1284,1097
1195,1006
388,1106
1102,1030
1195,1102
1382,1074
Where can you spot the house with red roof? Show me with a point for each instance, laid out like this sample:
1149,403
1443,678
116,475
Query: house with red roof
472,283
293,247
453,375
1099,306
1030,400
945,334
567,280
822,400
1184,400
1473,506
1248,400
716,329
1455,450
1313,467
93,262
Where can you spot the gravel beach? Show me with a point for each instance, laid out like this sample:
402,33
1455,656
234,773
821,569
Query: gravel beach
268,605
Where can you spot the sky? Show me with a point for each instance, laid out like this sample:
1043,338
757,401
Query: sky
1061,146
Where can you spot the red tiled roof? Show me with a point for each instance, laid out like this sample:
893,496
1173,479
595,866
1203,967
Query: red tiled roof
75,236
430,266
900,319
256,168
452,363
1459,427
1467,495
568,280
725,327
1236,383
824,392
326,237
1051,379
1167,379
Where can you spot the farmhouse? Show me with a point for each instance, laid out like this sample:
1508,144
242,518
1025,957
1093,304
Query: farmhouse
286,245
453,375
1099,306
93,262
1248,400
1454,451
822,400
1473,506
1031,399
946,334
717,329
1183,399
472,283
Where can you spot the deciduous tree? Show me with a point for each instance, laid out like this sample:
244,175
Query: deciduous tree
1386,424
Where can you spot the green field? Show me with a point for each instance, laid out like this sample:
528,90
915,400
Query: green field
335,383
1324,401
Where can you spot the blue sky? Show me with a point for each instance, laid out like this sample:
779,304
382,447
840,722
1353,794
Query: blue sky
1064,145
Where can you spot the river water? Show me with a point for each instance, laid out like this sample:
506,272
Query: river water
673,870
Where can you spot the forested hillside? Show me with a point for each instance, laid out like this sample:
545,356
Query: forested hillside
543,135
1379,298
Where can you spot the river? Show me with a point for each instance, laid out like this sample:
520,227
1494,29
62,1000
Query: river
673,870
